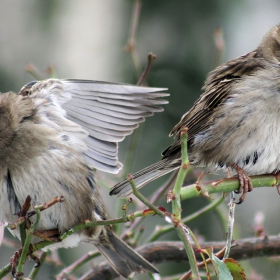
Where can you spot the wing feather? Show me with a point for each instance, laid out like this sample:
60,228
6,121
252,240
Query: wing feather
216,91
95,115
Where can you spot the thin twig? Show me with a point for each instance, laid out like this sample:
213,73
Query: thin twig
220,46
143,199
32,70
165,229
150,59
162,190
199,250
77,264
57,199
131,42
183,233
231,210
23,213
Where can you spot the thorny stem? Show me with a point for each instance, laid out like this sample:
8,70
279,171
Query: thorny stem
89,223
27,242
164,229
183,233
5,270
16,224
155,198
226,185
176,194
182,229
188,275
143,199
199,249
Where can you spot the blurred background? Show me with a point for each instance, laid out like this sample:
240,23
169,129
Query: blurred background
88,39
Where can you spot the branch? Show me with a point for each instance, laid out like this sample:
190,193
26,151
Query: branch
226,185
131,42
151,58
162,252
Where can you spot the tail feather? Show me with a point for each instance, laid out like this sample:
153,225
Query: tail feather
123,259
145,176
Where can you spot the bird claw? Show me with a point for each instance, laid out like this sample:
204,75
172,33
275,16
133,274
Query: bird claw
245,184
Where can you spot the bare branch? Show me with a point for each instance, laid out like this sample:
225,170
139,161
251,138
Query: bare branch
162,252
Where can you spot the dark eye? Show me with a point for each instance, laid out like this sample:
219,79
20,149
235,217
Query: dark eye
24,92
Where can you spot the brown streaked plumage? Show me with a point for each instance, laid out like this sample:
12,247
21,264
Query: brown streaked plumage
234,123
52,134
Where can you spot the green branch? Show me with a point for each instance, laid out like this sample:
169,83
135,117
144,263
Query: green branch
27,242
143,199
159,231
226,185
175,197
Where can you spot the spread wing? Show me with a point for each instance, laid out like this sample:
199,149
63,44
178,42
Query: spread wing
104,112
216,91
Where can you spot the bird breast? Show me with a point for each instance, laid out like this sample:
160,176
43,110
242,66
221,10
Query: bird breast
245,129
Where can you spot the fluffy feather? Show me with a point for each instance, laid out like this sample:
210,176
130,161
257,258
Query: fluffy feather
52,134
234,123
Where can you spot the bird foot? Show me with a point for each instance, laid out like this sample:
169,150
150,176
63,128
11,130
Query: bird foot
51,235
245,184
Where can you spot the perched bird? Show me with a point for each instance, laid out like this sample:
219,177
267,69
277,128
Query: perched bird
235,122
53,134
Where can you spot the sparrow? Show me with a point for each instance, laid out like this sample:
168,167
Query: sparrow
235,122
53,135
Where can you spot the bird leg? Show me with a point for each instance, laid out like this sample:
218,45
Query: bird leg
245,184
51,235
47,235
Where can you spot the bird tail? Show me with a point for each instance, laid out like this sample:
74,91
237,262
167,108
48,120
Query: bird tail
123,259
145,176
